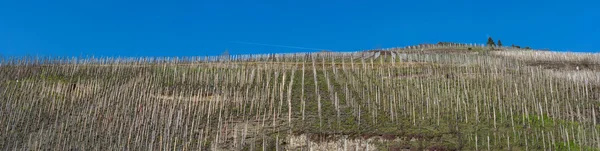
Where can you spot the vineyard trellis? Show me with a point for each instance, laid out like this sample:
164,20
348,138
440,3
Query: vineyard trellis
461,100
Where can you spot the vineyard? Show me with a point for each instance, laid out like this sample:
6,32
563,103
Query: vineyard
415,98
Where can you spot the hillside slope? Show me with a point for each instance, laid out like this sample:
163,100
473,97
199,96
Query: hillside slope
442,98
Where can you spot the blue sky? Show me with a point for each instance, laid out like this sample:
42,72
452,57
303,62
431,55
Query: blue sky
201,27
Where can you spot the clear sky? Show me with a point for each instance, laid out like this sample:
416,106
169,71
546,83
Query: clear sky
202,27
